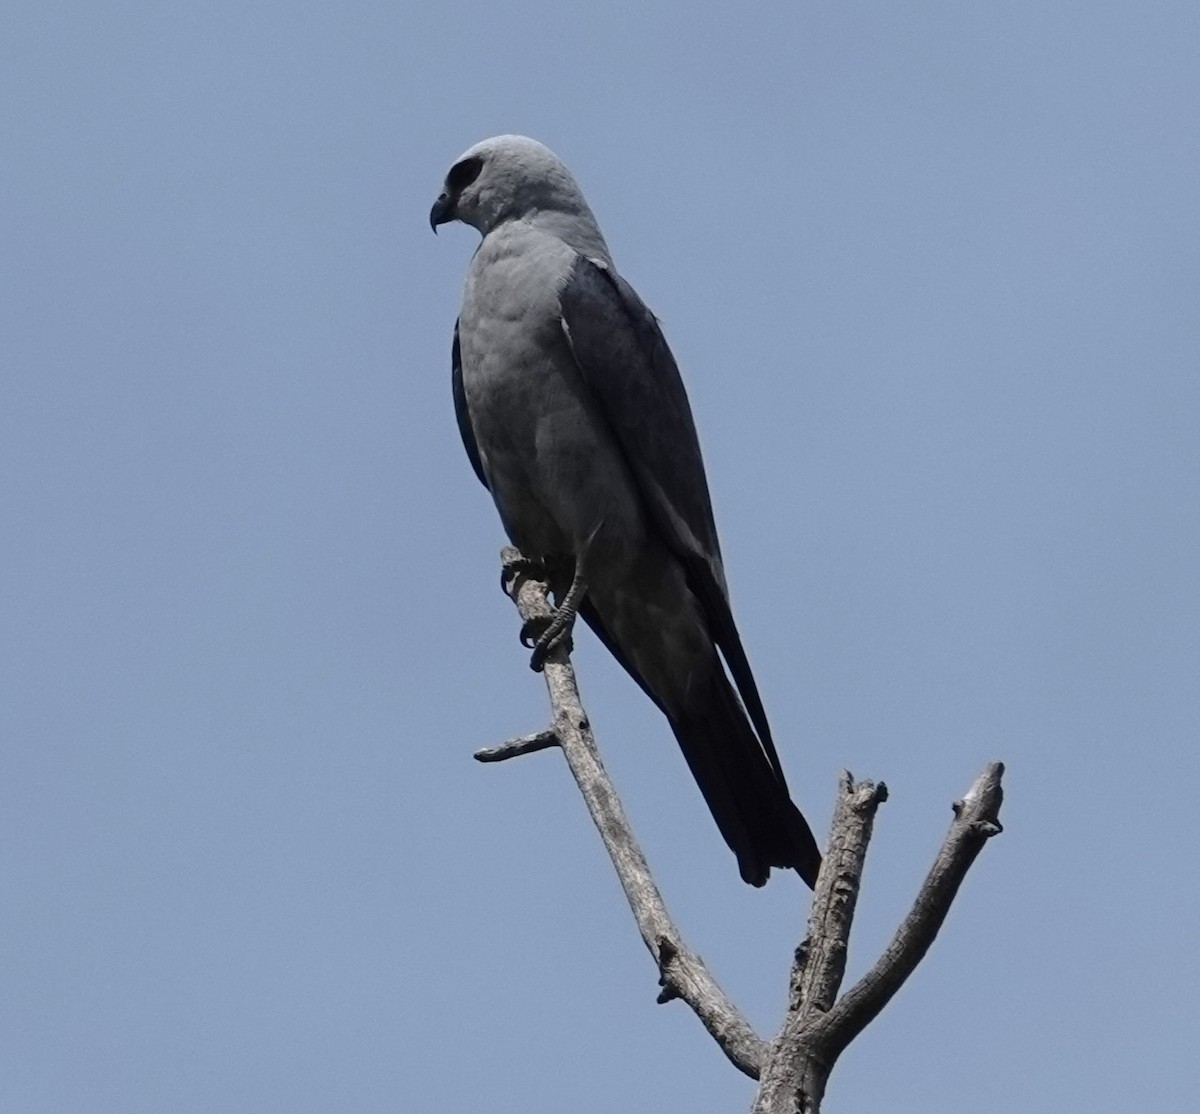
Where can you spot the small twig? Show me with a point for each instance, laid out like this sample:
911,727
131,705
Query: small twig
682,973
514,748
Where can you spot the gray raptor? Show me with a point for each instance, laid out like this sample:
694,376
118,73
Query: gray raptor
575,418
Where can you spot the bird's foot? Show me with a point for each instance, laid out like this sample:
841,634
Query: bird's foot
516,565
542,633
533,629
559,627
555,631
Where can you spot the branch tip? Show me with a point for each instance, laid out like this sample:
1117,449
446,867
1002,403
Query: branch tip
514,748
976,820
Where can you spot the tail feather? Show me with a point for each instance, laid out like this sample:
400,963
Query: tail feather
747,797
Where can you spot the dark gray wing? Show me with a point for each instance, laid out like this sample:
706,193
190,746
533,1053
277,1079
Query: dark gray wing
460,409
624,359
592,617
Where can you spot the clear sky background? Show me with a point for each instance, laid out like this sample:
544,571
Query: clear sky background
932,273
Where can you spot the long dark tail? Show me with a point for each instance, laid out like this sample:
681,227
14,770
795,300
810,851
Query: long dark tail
747,798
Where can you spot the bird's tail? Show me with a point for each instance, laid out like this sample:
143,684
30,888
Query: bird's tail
747,798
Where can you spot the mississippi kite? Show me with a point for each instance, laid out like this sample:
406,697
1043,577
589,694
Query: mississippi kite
575,418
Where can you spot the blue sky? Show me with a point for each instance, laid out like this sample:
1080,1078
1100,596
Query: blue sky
931,272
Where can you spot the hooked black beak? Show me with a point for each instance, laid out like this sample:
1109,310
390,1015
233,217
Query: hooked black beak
442,211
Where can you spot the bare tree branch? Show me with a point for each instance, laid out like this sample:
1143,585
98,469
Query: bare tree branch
976,820
794,1068
819,977
797,1069
818,1026
514,748
682,973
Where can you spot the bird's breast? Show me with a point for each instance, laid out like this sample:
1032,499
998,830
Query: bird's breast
555,472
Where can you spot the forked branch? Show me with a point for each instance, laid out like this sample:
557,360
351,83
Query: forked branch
794,1068
819,1025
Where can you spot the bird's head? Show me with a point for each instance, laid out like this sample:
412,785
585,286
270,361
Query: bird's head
509,177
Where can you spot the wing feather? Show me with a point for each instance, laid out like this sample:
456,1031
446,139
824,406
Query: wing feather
624,359
465,429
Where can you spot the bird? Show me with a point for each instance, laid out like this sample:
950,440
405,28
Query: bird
575,418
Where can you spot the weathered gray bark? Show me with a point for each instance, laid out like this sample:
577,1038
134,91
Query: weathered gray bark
819,1025
682,974
794,1068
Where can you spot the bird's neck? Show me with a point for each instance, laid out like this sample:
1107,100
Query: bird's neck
578,230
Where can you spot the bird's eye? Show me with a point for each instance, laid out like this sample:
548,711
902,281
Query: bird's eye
462,174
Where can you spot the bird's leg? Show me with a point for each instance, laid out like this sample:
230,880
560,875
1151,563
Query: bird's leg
560,624
516,568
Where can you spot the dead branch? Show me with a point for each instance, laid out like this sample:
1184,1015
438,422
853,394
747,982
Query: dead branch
976,820
818,1025
682,973
793,1069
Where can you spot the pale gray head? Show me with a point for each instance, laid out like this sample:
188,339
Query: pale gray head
514,178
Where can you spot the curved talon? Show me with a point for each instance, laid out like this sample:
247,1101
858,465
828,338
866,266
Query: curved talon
537,660
533,630
512,571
